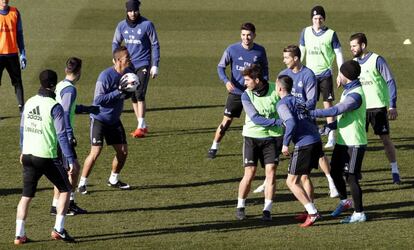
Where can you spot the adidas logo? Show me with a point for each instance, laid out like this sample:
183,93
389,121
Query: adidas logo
227,112
384,129
35,114
240,58
126,32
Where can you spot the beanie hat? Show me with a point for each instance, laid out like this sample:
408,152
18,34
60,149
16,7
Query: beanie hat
318,10
132,5
351,69
48,78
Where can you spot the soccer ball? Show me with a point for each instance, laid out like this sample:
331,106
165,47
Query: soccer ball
129,82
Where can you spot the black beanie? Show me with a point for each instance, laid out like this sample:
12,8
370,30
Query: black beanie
48,78
132,5
351,69
318,10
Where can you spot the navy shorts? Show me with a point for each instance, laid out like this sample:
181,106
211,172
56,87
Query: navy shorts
326,89
378,118
143,74
234,106
266,151
112,133
303,159
348,159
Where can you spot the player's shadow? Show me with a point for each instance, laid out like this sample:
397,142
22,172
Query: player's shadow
281,197
207,226
9,117
13,191
400,143
190,131
176,108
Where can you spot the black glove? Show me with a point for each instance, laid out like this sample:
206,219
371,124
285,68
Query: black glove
93,110
73,142
302,110
279,123
324,130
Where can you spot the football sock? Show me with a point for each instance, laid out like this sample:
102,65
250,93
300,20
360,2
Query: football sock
394,168
141,123
267,205
83,181
113,179
60,223
215,145
310,208
54,202
330,180
331,135
72,196
20,228
241,202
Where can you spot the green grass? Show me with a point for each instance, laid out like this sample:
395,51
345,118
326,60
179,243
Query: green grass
180,199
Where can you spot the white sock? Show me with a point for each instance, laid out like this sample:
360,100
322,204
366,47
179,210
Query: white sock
83,181
310,208
20,228
215,145
394,168
330,180
141,123
113,179
72,196
358,214
60,223
268,205
241,202
54,202
331,135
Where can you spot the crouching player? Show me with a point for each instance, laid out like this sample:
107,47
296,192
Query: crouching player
303,132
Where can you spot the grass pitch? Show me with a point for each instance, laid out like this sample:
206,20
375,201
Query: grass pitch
181,200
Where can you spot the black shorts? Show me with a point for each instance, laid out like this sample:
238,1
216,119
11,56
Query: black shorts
234,106
303,159
113,134
265,150
348,159
326,89
12,65
34,167
143,74
378,117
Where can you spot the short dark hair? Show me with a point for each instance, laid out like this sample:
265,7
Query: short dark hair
254,72
248,26
117,52
73,65
285,82
293,49
360,37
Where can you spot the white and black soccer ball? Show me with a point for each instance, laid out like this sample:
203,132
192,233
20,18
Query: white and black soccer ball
129,82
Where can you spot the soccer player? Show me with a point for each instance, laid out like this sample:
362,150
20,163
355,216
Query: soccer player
42,127
11,42
140,37
107,123
239,56
262,137
350,148
381,91
304,88
320,44
66,96
303,132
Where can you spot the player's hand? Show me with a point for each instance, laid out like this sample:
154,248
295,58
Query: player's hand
285,150
73,142
230,86
93,110
154,71
70,170
392,113
23,61
338,82
21,159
